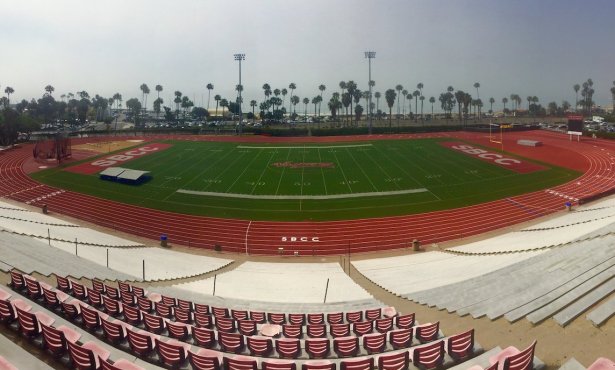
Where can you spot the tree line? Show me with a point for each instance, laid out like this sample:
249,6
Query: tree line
344,105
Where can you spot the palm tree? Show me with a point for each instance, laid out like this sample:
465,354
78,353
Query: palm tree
590,94
576,88
157,104
419,86
335,104
365,96
292,88
432,100
377,95
177,100
504,101
372,83
404,93
158,90
529,102
476,86
209,87
284,92
399,89
145,90
63,96
223,104
8,91
518,100
49,89
295,100
117,97
253,105
346,101
351,88
315,102
267,91
459,97
306,101
416,94
491,101
343,86
390,96
217,98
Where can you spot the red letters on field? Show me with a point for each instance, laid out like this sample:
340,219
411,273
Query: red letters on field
499,159
116,159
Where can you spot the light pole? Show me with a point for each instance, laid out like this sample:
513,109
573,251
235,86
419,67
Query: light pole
240,57
370,55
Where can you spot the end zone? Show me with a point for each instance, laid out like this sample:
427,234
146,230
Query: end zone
502,160
114,159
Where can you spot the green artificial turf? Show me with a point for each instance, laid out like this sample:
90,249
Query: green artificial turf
451,179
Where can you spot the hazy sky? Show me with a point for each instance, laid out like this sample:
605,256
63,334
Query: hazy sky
527,47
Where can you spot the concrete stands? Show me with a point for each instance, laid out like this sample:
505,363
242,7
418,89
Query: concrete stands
403,275
27,237
282,282
563,282
582,223
13,354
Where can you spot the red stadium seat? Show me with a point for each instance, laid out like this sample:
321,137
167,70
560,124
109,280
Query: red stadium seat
366,363
461,346
396,361
346,346
292,331
428,356
171,354
427,332
204,337
288,348
317,347
259,346
205,359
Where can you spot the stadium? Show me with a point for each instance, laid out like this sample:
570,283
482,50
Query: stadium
213,293
321,185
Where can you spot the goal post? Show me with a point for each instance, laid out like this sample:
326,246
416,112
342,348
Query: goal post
493,133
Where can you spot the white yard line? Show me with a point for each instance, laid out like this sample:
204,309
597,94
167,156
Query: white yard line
342,169
363,171
304,147
244,170
303,197
322,171
282,175
262,173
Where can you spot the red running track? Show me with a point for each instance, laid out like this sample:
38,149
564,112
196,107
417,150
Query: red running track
594,158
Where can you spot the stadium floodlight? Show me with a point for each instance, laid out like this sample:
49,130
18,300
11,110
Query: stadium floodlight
239,58
370,55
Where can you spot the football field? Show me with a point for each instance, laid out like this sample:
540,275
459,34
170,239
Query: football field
312,181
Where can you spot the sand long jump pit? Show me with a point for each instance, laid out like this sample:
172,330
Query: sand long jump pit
107,146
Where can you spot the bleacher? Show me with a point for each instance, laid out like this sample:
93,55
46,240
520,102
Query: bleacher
560,268
176,333
284,282
284,315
